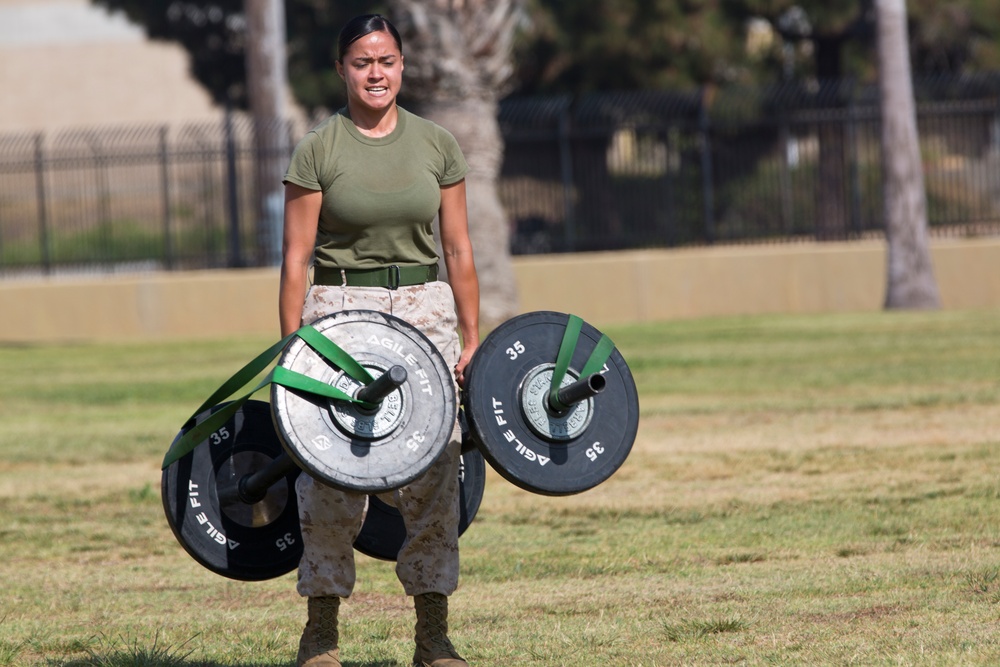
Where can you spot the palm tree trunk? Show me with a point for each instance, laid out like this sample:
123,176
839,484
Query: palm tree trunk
458,64
473,122
911,282
266,84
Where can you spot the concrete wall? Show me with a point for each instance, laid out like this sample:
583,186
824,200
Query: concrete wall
641,286
602,288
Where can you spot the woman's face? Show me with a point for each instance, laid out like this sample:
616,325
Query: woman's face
372,69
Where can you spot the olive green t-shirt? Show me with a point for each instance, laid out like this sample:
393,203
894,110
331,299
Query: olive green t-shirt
380,195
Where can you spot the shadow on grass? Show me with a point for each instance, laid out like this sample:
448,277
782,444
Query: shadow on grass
120,659
136,652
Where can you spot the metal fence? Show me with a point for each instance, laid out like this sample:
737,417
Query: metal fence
785,163
135,198
595,172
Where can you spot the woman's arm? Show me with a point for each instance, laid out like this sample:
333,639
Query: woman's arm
458,259
302,208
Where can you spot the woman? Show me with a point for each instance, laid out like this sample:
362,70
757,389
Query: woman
362,192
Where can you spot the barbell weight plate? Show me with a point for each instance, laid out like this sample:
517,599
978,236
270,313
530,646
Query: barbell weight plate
247,542
469,443
345,446
506,385
383,531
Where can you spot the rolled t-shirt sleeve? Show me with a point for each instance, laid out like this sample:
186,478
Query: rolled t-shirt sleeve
303,170
454,166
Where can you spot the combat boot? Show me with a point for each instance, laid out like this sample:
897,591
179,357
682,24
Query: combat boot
434,649
318,646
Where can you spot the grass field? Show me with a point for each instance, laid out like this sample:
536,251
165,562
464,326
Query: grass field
803,491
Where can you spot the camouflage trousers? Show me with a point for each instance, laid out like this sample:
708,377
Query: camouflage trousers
331,519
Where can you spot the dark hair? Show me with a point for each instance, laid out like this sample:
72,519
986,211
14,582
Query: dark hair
363,25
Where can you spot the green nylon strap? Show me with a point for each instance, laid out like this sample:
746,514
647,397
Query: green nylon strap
279,375
602,351
566,349
605,346
332,352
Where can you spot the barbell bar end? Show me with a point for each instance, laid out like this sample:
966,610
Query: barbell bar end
253,488
581,390
382,386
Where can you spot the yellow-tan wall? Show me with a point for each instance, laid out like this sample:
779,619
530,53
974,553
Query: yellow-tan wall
602,288
739,280
55,78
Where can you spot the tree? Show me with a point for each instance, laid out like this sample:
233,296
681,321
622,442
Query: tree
954,36
584,45
818,41
911,281
267,80
458,66
214,33
949,36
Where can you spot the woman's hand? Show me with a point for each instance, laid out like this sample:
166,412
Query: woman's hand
463,361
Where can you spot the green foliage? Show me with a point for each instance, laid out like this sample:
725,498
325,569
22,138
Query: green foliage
585,45
113,241
954,36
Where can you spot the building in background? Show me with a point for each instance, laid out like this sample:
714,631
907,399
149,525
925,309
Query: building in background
68,63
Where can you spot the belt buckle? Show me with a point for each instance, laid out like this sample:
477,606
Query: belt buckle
393,277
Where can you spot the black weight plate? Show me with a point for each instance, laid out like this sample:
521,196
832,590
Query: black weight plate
469,443
383,531
512,362
248,542
340,445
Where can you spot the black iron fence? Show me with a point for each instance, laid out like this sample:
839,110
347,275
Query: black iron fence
601,171
790,162
134,198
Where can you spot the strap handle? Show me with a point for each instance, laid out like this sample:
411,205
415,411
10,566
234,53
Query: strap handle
279,375
595,362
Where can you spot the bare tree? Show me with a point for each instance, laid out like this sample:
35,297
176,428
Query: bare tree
266,91
911,282
458,65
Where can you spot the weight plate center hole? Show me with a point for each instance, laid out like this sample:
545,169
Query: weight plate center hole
251,515
541,417
358,421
